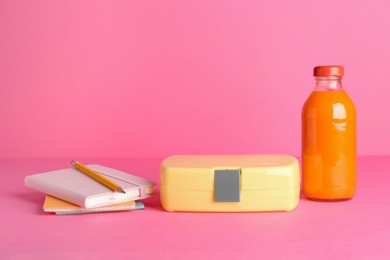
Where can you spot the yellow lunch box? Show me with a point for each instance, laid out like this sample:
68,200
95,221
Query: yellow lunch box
230,183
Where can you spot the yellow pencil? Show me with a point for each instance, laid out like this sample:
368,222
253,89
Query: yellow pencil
98,177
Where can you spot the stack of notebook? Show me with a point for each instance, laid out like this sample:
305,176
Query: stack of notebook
70,191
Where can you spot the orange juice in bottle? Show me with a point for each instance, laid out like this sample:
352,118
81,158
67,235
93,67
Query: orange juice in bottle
328,139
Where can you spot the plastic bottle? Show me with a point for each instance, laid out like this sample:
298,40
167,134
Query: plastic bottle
329,139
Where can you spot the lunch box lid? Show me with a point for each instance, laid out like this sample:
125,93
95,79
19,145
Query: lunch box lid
247,172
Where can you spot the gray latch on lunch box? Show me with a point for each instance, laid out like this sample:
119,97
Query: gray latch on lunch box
227,185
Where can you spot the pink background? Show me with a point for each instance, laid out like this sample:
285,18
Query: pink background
154,78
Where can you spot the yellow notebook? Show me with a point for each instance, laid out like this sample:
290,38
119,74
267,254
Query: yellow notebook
61,207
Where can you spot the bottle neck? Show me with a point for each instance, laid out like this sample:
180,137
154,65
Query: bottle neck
328,84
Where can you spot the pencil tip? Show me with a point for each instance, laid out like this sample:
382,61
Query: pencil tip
73,162
119,189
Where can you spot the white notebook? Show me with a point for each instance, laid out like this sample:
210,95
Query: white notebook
74,186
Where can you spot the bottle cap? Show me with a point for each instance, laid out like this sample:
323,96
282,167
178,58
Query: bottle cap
326,71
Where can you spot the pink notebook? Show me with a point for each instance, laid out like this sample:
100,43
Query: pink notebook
73,186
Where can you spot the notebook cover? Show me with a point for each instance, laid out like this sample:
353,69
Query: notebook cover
138,206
